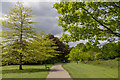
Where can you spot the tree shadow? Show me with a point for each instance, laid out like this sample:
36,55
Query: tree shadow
24,71
54,70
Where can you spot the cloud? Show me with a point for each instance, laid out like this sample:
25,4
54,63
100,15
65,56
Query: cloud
73,44
103,42
44,14
58,35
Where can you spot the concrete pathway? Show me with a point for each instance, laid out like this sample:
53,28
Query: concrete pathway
57,71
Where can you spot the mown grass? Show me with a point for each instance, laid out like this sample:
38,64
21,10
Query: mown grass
110,63
29,71
91,70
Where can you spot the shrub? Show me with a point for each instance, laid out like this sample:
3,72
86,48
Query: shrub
117,59
98,56
4,63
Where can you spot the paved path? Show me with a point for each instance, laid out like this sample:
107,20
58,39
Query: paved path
57,71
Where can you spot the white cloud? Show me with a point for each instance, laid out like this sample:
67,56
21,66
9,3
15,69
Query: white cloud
31,4
58,35
103,42
73,44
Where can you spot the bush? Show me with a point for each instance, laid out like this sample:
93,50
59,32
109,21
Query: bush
117,59
4,63
98,56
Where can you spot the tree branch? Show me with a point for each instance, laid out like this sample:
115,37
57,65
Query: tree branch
112,11
117,34
116,5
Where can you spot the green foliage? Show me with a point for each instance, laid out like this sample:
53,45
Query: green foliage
12,52
18,26
117,59
90,52
35,50
42,47
17,23
62,47
74,54
83,52
93,21
98,56
89,20
22,43
111,50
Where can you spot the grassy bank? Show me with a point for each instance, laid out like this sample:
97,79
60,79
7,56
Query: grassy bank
29,71
92,70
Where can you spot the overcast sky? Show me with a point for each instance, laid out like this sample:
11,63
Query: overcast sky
44,14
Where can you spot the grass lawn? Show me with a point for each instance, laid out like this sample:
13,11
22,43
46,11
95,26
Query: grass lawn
29,71
110,63
82,70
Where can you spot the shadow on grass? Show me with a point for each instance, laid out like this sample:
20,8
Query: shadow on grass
54,70
24,71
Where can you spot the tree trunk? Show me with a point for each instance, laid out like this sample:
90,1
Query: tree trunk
77,62
20,66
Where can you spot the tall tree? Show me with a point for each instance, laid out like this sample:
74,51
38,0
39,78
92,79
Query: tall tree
18,25
89,20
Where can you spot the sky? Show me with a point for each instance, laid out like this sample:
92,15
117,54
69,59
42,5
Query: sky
44,14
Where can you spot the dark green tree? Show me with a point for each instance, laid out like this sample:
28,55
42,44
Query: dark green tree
111,50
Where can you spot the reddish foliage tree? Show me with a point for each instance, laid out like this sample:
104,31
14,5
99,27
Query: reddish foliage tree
64,50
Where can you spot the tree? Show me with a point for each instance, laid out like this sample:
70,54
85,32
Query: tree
111,50
39,48
42,47
62,47
89,20
74,54
83,52
11,53
18,26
